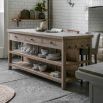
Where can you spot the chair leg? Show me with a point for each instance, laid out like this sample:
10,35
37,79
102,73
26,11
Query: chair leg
86,59
95,58
82,59
81,83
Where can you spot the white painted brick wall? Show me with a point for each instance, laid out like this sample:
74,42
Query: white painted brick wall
77,17
70,18
1,5
63,15
14,8
97,2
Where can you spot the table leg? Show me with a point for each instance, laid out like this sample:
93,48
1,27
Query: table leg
63,70
10,55
63,85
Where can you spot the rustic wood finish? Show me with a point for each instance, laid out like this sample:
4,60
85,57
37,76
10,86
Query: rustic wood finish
67,43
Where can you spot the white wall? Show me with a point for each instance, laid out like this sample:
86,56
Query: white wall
77,17
1,28
1,34
14,8
67,17
1,5
5,52
63,15
97,2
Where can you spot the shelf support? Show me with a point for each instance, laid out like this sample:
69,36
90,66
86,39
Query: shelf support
10,55
63,71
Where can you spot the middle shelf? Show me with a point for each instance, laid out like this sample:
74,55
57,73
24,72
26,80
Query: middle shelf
34,57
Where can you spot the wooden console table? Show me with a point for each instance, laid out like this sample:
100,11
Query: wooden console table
69,44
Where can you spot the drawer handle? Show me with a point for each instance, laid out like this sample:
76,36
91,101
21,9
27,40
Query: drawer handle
51,42
16,37
31,39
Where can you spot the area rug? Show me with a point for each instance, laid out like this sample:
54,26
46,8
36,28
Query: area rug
6,94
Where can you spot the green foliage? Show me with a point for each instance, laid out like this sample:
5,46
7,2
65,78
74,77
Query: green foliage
40,6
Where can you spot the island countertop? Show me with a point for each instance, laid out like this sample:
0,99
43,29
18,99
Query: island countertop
61,35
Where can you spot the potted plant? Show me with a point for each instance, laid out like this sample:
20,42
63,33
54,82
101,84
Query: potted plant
40,7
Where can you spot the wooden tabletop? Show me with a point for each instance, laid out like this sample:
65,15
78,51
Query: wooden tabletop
61,35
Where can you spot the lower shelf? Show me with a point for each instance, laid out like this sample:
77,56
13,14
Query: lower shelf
26,67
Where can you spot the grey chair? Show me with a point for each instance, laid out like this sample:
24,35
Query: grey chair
94,50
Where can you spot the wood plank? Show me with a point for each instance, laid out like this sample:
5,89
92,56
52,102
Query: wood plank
29,69
16,52
61,35
63,71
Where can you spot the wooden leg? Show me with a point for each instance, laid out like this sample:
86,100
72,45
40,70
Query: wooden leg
10,61
10,55
10,68
63,84
63,69
22,59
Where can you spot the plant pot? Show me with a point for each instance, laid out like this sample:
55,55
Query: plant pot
41,16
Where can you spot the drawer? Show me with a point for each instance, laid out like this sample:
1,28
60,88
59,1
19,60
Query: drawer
33,40
52,42
59,43
17,37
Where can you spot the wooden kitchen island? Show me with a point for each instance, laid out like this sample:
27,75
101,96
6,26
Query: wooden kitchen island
68,44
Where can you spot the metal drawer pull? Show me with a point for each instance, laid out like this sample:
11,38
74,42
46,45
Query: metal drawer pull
32,39
16,37
51,42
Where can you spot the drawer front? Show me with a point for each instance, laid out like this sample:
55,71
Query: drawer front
47,42
59,43
33,40
17,37
52,42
